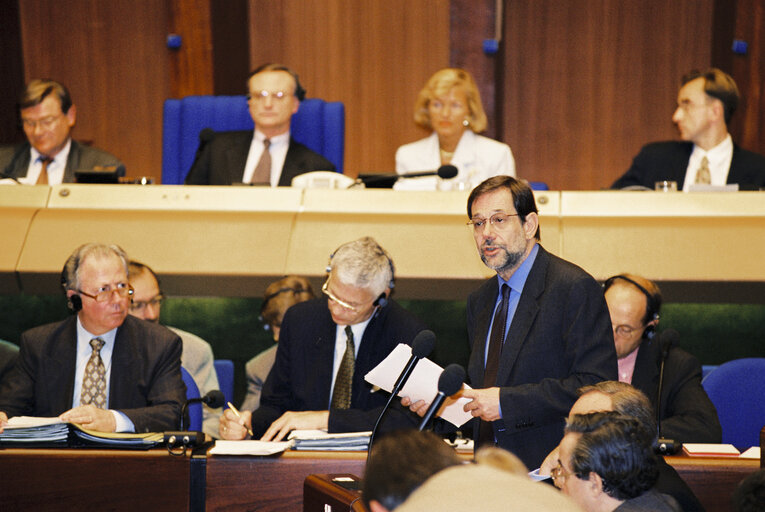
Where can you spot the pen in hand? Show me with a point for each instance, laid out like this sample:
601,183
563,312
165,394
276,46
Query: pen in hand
236,412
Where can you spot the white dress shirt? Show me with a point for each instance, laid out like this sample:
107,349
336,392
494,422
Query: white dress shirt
278,149
719,158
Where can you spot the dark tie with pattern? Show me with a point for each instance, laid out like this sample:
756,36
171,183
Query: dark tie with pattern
94,381
341,397
42,178
496,340
262,174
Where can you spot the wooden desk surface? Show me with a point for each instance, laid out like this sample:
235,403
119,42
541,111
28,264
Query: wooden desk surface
83,479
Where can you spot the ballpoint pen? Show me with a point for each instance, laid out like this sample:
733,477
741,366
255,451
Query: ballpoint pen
238,415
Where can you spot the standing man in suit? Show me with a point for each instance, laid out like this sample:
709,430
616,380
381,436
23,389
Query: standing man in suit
539,330
326,346
50,156
100,368
197,356
268,156
687,415
707,155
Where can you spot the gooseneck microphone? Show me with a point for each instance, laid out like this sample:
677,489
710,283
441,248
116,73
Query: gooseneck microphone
422,346
212,399
667,338
445,172
189,439
449,383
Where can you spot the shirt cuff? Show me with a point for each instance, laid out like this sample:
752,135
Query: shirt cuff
122,421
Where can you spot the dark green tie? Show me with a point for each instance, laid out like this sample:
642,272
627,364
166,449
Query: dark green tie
341,397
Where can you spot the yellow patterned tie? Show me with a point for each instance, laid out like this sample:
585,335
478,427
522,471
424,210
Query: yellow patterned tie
703,175
341,397
94,383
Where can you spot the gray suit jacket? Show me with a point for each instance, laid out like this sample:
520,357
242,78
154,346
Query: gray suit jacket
257,370
145,382
14,160
559,340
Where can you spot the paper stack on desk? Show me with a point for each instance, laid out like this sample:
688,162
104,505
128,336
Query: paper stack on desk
52,432
320,440
29,430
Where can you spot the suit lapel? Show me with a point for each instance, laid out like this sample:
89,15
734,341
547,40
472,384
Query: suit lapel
124,358
487,299
525,313
63,355
322,354
236,158
72,162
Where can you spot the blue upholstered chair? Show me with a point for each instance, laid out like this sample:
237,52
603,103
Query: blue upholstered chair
318,124
737,389
224,369
195,409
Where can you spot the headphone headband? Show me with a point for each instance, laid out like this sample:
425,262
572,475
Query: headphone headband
652,305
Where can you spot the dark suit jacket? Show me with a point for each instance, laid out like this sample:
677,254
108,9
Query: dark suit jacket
8,355
14,160
559,340
687,414
301,377
661,161
145,382
223,159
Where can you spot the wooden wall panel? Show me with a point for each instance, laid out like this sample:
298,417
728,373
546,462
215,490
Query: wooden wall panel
588,82
374,56
112,56
191,65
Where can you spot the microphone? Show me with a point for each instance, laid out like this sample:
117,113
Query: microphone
444,172
212,399
667,338
422,346
449,383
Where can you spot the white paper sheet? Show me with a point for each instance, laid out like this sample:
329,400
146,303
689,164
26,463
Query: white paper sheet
422,384
249,447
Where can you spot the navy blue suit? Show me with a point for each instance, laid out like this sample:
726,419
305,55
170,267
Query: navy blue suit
661,161
559,340
301,377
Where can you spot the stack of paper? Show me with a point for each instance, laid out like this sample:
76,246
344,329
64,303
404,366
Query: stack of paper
249,447
710,450
28,430
322,441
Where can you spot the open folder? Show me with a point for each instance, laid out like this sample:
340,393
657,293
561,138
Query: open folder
28,431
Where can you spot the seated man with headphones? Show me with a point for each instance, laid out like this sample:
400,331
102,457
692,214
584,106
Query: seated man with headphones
100,368
687,415
326,346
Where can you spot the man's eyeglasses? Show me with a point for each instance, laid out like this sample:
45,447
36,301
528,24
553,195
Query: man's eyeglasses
44,123
332,297
141,305
559,474
498,220
105,293
262,95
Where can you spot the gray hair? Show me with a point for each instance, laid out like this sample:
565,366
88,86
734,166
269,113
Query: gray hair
70,277
364,264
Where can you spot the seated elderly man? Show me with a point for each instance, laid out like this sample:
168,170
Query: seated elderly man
326,346
101,368
606,463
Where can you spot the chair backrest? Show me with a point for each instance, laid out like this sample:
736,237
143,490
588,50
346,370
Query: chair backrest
195,409
318,124
737,390
224,368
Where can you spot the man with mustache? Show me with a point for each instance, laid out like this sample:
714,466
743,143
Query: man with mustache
539,330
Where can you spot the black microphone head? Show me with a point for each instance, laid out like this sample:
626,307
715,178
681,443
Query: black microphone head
447,171
668,338
214,399
206,135
451,379
423,344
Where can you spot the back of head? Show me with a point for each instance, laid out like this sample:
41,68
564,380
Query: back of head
364,264
400,463
281,295
616,448
627,401
718,85
39,89
501,459
749,496
523,196
439,85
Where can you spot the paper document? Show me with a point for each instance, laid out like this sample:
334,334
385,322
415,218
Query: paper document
422,384
752,453
249,447
321,440
710,450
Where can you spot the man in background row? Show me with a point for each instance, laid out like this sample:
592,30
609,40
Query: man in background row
101,368
50,156
268,155
197,356
707,155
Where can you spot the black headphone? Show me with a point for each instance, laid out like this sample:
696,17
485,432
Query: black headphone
299,91
295,291
382,300
653,303
75,301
